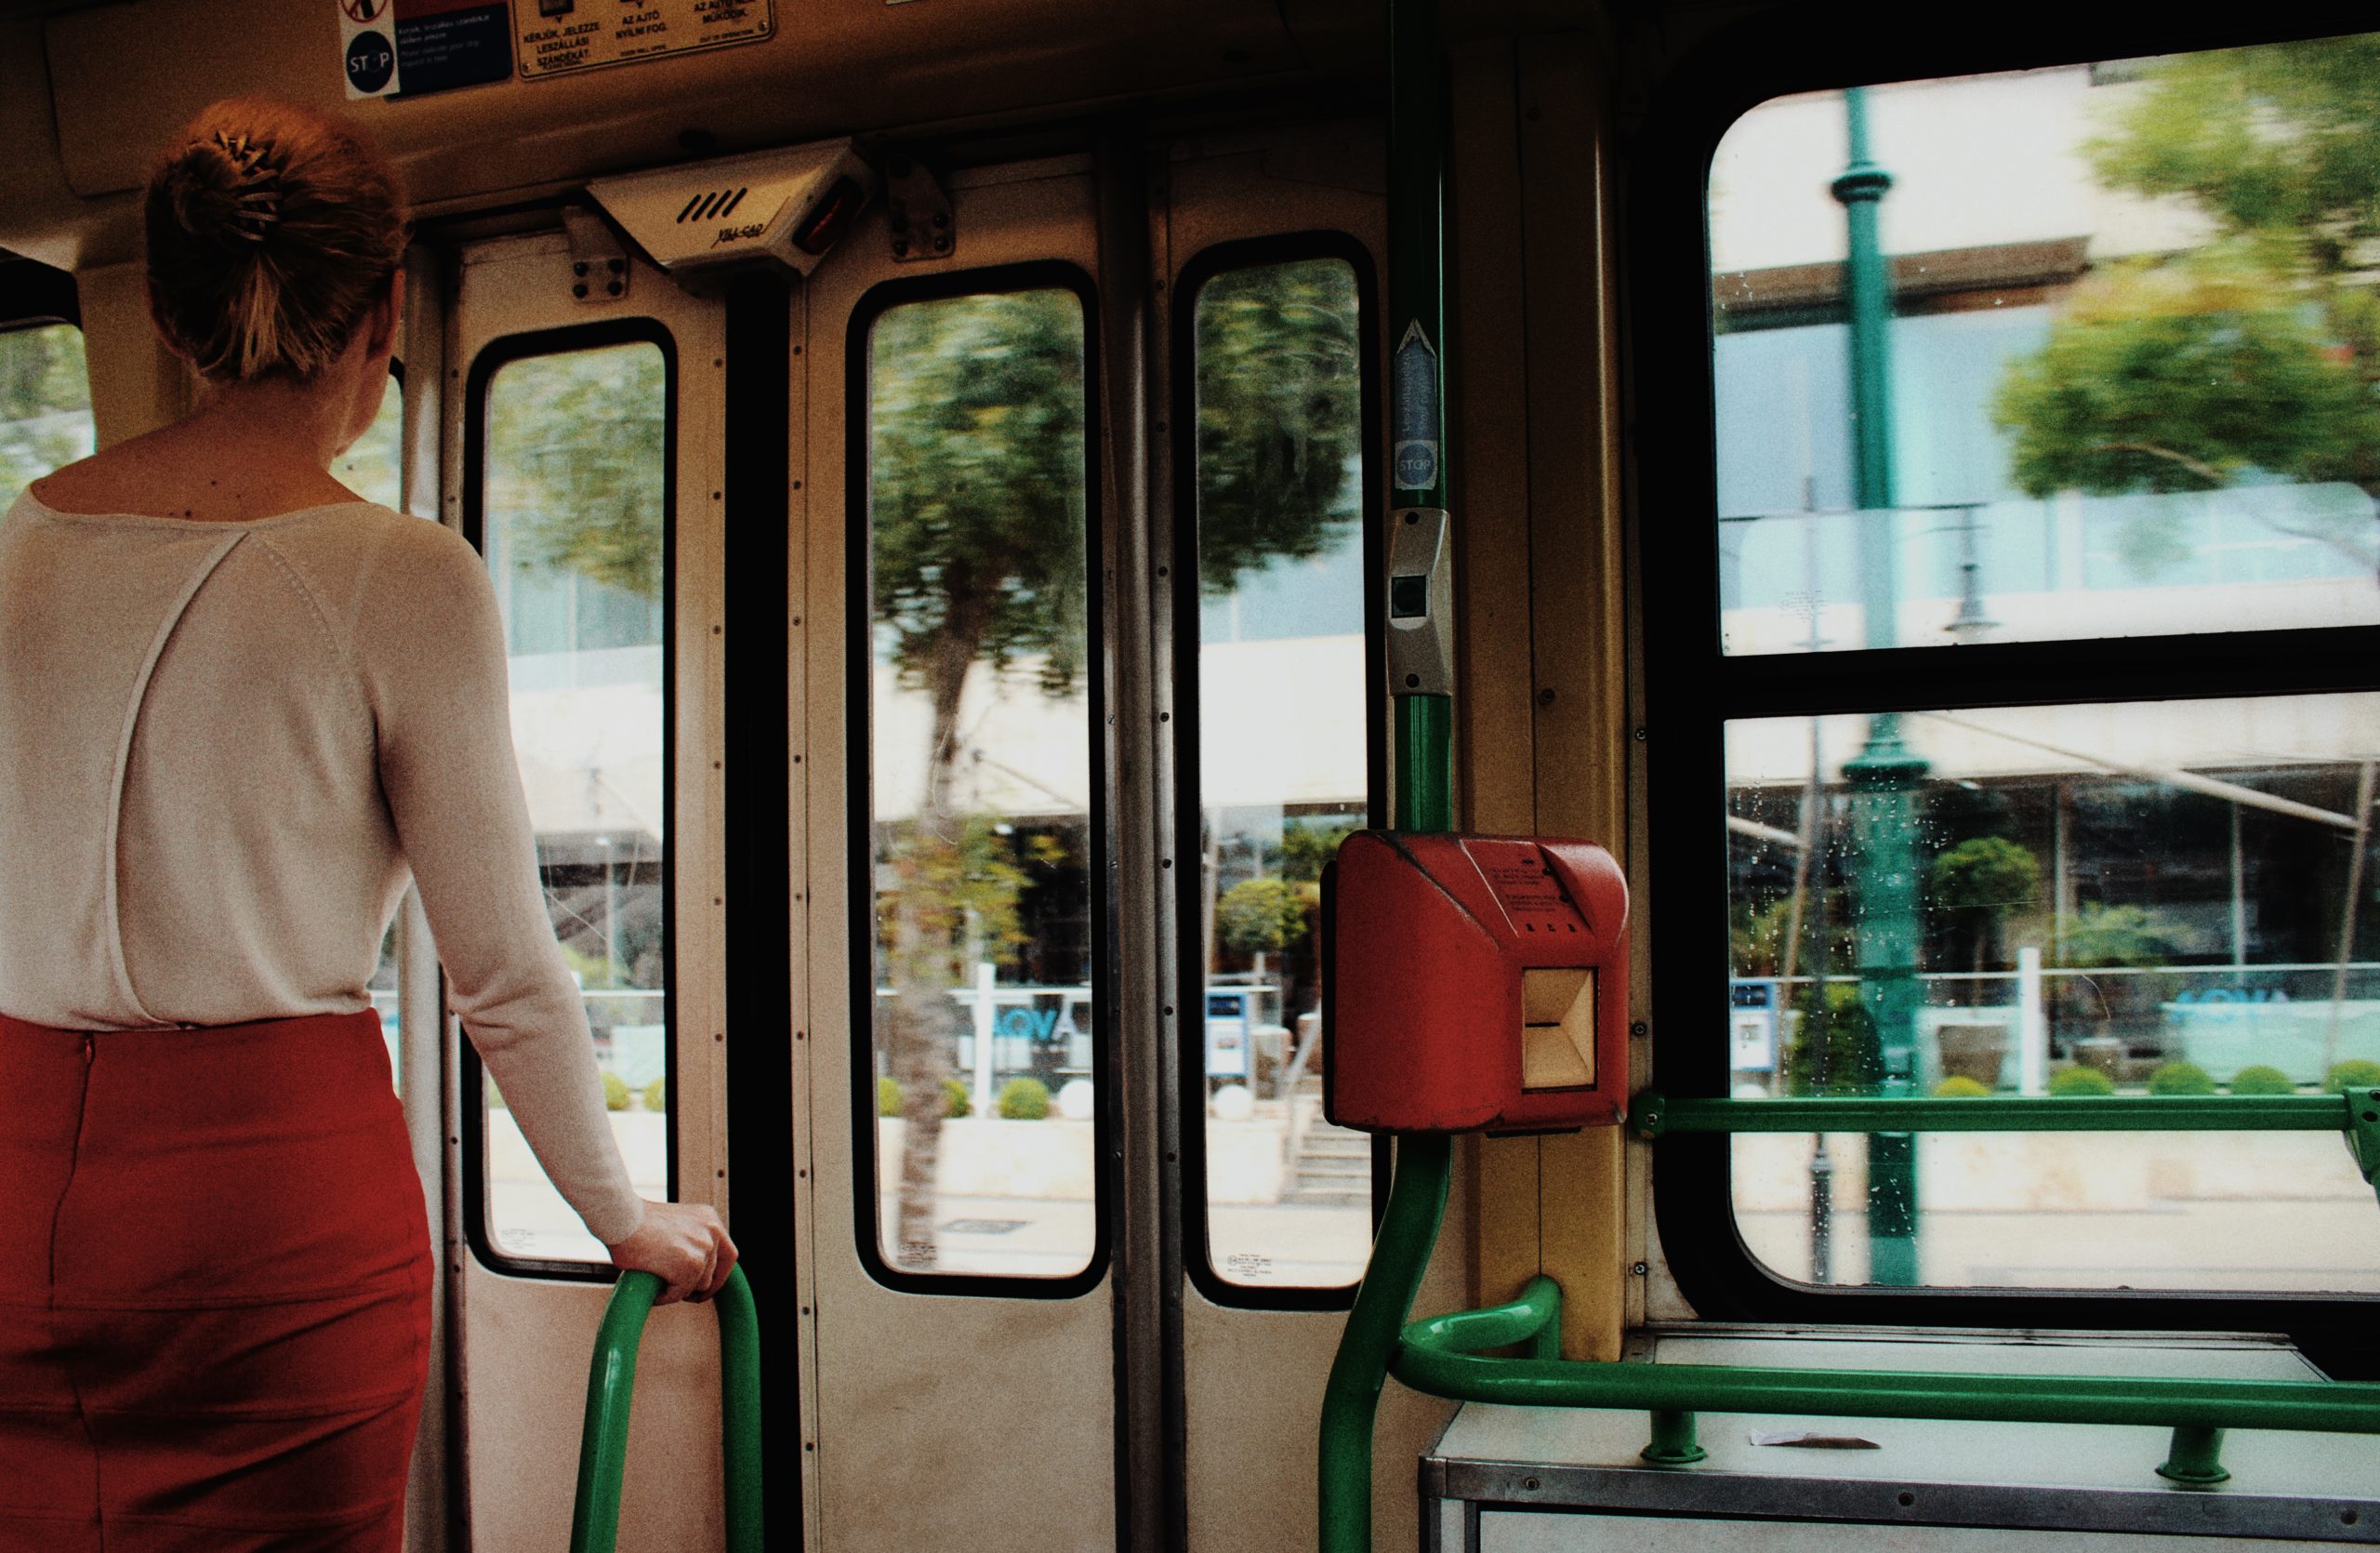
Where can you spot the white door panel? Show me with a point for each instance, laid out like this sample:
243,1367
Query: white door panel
523,1342
971,1421
1253,1377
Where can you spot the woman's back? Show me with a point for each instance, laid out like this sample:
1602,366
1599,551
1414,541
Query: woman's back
232,726
191,830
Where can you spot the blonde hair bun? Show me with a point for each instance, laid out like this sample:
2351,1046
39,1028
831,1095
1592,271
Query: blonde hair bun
272,231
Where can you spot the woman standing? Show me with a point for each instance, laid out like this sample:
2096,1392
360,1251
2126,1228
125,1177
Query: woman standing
239,709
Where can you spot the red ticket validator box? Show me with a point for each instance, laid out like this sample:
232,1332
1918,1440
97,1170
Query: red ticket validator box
1473,984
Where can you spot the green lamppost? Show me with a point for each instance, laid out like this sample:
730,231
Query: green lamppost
1884,775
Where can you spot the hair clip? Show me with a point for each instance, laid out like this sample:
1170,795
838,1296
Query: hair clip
257,206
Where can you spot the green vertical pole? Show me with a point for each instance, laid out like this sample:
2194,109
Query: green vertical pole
1420,633
1424,730
611,1384
1420,660
1673,1443
1416,259
1409,1231
739,1413
1884,775
2196,1458
604,1439
1868,292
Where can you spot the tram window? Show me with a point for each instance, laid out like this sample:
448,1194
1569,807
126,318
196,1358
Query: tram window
1278,754
371,467
2119,395
983,957
574,524
45,404
2082,924
2112,381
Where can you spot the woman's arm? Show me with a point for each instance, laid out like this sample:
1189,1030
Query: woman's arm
432,655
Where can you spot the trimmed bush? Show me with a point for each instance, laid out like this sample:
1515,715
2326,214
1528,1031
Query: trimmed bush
2181,1078
1261,916
888,1096
1025,1100
2261,1079
1854,1064
1958,1086
2354,1073
615,1093
656,1094
2078,1080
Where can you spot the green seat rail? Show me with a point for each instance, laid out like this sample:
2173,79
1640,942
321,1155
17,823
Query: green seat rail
1443,1356
611,1383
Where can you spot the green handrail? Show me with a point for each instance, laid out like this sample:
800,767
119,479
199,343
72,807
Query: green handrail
603,1443
1424,748
1439,1356
2355,1112
1655,1115
1409,1229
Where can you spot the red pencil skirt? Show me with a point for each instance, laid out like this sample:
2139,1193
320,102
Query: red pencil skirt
215,1279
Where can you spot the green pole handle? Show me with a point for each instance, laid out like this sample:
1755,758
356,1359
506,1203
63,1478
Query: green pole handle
2197,1457
611,1383
1425,735
1409,1229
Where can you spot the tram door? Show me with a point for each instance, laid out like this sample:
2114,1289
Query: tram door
951,768
1084,697
579,404
1272,363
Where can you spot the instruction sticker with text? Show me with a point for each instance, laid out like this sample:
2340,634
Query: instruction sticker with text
560,38
402,48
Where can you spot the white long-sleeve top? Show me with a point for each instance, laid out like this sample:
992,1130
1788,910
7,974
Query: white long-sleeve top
225,746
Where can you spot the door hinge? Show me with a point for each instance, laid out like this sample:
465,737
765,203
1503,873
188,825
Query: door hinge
599,260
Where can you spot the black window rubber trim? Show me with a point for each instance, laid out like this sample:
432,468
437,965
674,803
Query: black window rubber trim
1206,265
32,294
493,357
859,687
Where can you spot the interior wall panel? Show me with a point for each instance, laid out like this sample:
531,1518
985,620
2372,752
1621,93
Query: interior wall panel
137,384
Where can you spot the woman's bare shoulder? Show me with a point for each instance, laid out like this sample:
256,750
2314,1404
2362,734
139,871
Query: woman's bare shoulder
164,475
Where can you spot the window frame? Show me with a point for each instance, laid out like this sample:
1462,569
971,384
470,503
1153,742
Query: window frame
1208,264
496,355
37,296
33,294
1698,690
859,765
